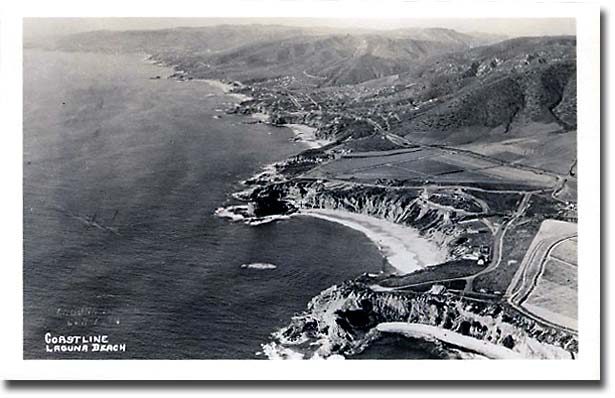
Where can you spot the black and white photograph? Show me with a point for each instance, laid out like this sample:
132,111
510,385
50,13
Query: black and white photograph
302,188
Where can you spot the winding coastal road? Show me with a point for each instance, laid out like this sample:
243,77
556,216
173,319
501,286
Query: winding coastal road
498,242
527,277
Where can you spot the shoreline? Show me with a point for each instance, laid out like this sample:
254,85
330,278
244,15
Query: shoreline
404,251
428,332
307,135
226,88
302,133
402,247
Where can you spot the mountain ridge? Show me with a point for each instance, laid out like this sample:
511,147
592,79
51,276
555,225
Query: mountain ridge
428,85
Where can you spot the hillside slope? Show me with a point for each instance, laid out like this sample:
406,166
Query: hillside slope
501,89
513,99
336,60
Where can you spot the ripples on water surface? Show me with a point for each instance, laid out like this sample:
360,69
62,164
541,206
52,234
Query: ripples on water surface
122,175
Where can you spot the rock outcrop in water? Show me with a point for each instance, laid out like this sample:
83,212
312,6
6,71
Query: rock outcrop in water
342,320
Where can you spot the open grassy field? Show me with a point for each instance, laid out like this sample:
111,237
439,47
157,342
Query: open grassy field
514,248
546,282
436,165
555,295
566,251
448,270
498,202
552,151
569,190
384,171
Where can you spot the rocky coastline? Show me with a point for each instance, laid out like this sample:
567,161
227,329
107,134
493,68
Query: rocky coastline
343,319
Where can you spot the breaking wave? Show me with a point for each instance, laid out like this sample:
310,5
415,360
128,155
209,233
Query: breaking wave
259,266
243,213
343,319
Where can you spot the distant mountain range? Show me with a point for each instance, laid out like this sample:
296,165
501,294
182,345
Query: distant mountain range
246,52
339,59
195,40
435,85
502,86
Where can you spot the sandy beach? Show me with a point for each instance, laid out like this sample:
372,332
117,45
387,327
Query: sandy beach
303,133
261,117
226,88
402,246
307,135
420,331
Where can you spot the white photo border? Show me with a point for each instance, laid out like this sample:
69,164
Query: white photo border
586,367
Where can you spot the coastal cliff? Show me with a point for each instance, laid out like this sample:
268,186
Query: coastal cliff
459,143
465,215
410,207
343,320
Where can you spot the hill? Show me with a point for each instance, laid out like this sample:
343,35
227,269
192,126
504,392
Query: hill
502,88
333,59
316,56
514,100
198,41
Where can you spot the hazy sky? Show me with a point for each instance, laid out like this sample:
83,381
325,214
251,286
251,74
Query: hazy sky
38,27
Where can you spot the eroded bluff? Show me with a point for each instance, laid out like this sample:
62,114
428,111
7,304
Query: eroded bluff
408,206
342,320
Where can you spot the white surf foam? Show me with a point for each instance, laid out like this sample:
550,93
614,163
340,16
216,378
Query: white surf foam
262,266
402,246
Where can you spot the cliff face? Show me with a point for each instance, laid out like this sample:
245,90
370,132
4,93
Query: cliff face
342,320
410,207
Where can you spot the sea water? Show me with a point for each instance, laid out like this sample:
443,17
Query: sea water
122,174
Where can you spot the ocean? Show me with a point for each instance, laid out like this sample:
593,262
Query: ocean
122,174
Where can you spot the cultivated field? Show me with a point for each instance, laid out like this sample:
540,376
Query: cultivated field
552,151
546,283
555,295
566,251
569,190
516,244
436,165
